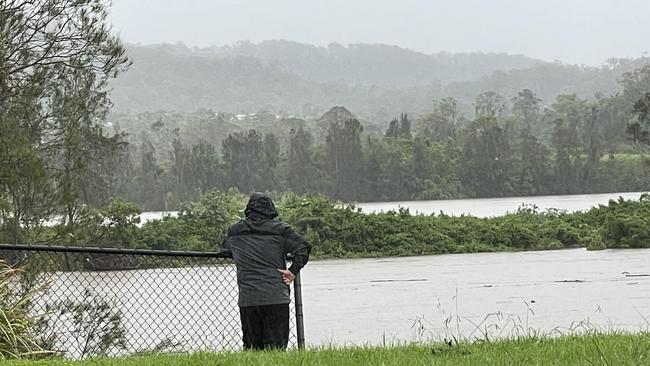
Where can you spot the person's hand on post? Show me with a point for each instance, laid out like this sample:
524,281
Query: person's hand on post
287,276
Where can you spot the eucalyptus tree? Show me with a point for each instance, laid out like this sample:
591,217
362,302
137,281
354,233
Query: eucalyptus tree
532,156
486,161
444,122
613,117
56,58
636,92
526,108
344,158
243,159
271,156
636,84
568,114
300,166
638,128
490,105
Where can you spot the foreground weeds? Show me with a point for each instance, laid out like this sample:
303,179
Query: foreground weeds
585,349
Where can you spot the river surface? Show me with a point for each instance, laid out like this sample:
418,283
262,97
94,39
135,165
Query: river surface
379,301
479,207
487,207
371,301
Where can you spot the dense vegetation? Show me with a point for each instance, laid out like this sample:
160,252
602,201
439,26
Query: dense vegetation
512,147
587,349
337,231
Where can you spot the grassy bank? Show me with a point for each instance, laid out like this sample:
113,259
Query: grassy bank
590,349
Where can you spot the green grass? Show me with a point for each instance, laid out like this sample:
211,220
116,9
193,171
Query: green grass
589,349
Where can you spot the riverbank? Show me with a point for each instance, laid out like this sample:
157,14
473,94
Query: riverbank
586,349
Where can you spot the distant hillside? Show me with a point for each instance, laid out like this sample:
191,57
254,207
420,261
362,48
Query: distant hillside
374,81
548,80
373,64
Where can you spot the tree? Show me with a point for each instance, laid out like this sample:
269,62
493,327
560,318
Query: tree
80,148
636,84
636,90
205,168
486,159
56,58
526,107
149,179
489,105
344,158
642,110
271,147
532,165
404,127
401,128
393,128
300,165
613,117
569,114
243,157
444,121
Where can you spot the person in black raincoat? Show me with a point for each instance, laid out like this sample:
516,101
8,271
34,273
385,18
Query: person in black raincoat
259,246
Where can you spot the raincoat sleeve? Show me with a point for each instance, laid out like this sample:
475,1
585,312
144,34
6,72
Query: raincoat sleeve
296,245
224,250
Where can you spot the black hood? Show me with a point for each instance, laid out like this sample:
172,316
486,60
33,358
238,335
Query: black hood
261,204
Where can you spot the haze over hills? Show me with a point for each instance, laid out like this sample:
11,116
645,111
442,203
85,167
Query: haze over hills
373,64
372,80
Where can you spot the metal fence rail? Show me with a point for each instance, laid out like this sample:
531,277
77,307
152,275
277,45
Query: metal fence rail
106,301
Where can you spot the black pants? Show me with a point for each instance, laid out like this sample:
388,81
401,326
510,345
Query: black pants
265,326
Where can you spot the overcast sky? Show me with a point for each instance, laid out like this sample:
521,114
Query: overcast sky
573,31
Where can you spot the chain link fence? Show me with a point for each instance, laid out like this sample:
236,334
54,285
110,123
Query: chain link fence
110,302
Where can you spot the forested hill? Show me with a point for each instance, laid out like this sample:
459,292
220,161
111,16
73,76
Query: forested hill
374,64
373,80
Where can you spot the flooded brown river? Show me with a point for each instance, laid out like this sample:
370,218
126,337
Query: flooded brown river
400,299
375,301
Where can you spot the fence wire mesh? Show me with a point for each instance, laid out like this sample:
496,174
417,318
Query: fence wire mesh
94,302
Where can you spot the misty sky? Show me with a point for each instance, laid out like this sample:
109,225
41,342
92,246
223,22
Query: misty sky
573,31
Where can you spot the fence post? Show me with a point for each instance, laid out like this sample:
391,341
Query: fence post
300,325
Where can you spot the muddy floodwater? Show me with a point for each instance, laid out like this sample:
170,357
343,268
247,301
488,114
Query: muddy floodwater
371,301
487,207
479,207
375,301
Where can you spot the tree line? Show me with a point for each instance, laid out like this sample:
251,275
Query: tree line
516,146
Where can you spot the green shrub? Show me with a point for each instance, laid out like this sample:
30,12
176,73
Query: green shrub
17,339
342,230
